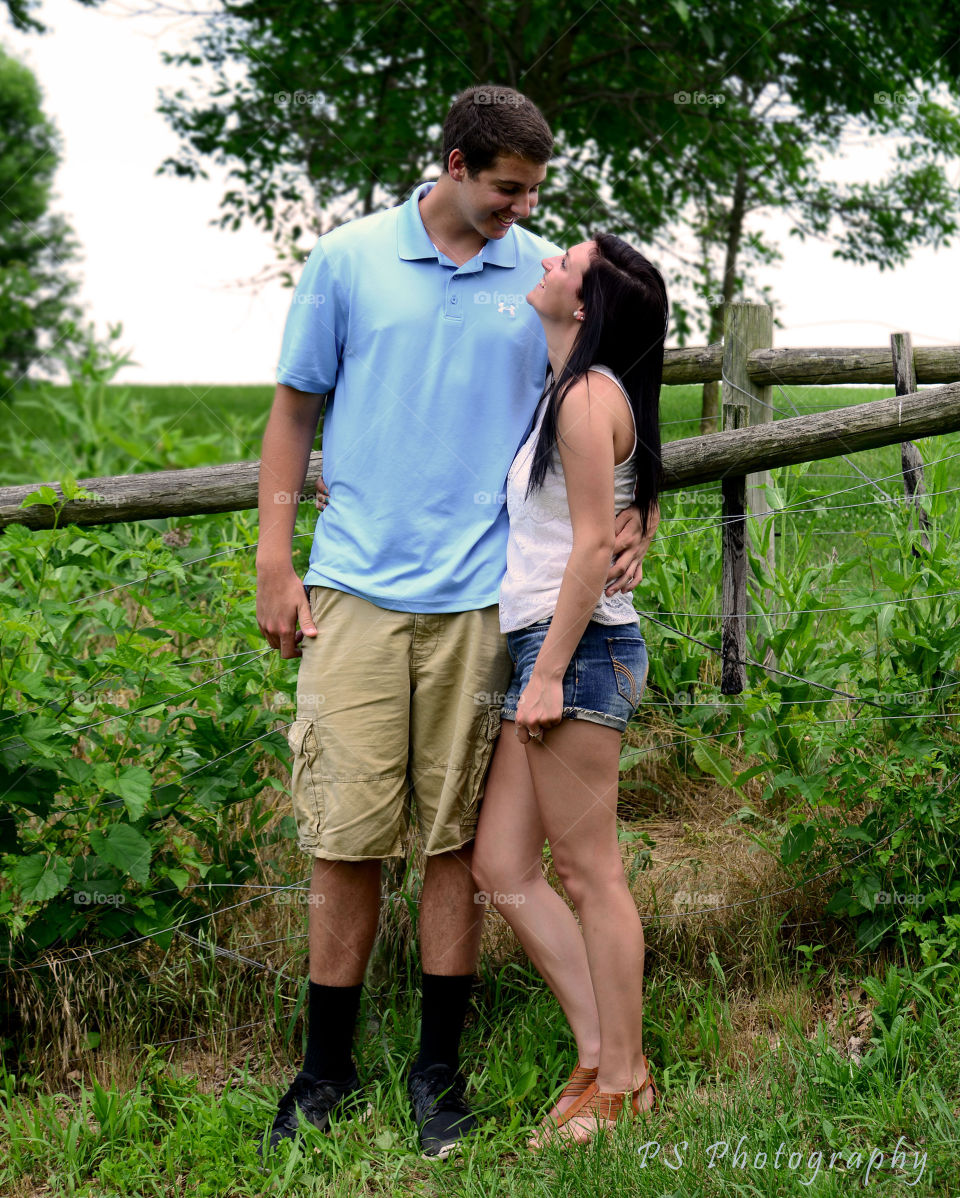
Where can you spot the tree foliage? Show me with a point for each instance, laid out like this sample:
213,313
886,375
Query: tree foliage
22,14
684,117
335,107
37,311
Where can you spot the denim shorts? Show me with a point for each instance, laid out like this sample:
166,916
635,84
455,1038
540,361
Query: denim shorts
604,680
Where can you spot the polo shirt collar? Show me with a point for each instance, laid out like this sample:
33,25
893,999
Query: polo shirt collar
413,241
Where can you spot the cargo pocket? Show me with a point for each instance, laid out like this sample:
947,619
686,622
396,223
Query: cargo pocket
475,781
305,783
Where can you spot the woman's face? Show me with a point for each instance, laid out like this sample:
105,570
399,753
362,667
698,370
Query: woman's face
557,295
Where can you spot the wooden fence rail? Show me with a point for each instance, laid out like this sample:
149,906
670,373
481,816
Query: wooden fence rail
751,444
812,367
206,489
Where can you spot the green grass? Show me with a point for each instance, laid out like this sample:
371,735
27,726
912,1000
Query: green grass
832,497
199,409
168,1134
747,1036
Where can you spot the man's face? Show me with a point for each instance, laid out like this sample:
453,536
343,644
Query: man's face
506,191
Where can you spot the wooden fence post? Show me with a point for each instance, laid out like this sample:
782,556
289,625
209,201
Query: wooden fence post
905,380
746,327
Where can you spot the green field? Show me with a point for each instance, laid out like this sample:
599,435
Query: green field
229,420
200,409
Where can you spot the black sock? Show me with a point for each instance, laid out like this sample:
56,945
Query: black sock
445,1002
332,1018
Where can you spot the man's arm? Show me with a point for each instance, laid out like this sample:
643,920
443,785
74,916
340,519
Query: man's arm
287,441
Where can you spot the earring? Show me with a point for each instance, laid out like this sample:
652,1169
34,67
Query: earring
578,314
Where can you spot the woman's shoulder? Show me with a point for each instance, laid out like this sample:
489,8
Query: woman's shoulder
597,386
595,382
606,380
593,395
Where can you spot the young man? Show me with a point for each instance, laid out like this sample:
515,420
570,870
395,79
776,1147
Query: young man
415,318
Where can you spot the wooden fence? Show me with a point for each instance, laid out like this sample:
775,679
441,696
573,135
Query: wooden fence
739,457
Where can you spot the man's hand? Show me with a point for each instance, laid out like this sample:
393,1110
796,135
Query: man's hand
539,706
630,548
282,603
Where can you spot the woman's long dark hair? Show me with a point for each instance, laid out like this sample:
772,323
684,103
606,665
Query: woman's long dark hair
625,313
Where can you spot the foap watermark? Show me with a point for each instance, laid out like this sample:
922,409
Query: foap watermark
897,698
310,299
507,303
499,898
489,699
92,898
685,899
895,898
309,703
850,1160
298,898
513,99
893,98
293,497
699,501
298,98
484,497
715,98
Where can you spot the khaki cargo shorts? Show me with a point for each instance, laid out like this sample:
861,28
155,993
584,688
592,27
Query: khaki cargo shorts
396,712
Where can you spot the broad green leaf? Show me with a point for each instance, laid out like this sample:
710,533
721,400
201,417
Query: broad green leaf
40,877
713,763
125,848
133,784
797,841
44,495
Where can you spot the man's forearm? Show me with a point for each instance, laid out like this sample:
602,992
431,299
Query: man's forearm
287,441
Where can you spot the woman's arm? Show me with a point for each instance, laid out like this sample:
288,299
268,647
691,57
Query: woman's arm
585,426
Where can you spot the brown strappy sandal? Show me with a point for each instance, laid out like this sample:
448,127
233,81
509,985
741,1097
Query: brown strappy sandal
606,1107
578,1081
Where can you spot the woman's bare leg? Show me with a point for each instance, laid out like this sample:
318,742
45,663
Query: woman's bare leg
507,864
575,773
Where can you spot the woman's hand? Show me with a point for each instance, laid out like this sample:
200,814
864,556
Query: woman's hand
540,706
323,495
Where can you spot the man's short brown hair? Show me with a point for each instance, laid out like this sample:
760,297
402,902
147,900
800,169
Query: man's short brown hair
490,120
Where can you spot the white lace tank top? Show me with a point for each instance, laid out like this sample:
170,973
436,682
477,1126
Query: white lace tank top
541,536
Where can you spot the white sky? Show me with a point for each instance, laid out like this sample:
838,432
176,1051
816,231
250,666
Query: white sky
153,261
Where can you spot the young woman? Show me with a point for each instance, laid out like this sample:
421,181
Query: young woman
580,664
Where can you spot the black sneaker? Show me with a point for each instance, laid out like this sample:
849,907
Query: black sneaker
440,1109
318,1100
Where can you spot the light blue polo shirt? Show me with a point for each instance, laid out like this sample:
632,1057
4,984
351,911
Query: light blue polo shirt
436,372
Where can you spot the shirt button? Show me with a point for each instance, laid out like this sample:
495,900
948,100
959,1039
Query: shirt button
453,299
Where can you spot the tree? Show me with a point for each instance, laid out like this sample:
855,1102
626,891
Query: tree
21,13
326,110
773,161
37,313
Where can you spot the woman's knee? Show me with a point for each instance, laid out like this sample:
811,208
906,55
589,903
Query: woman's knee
585,878
496,873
